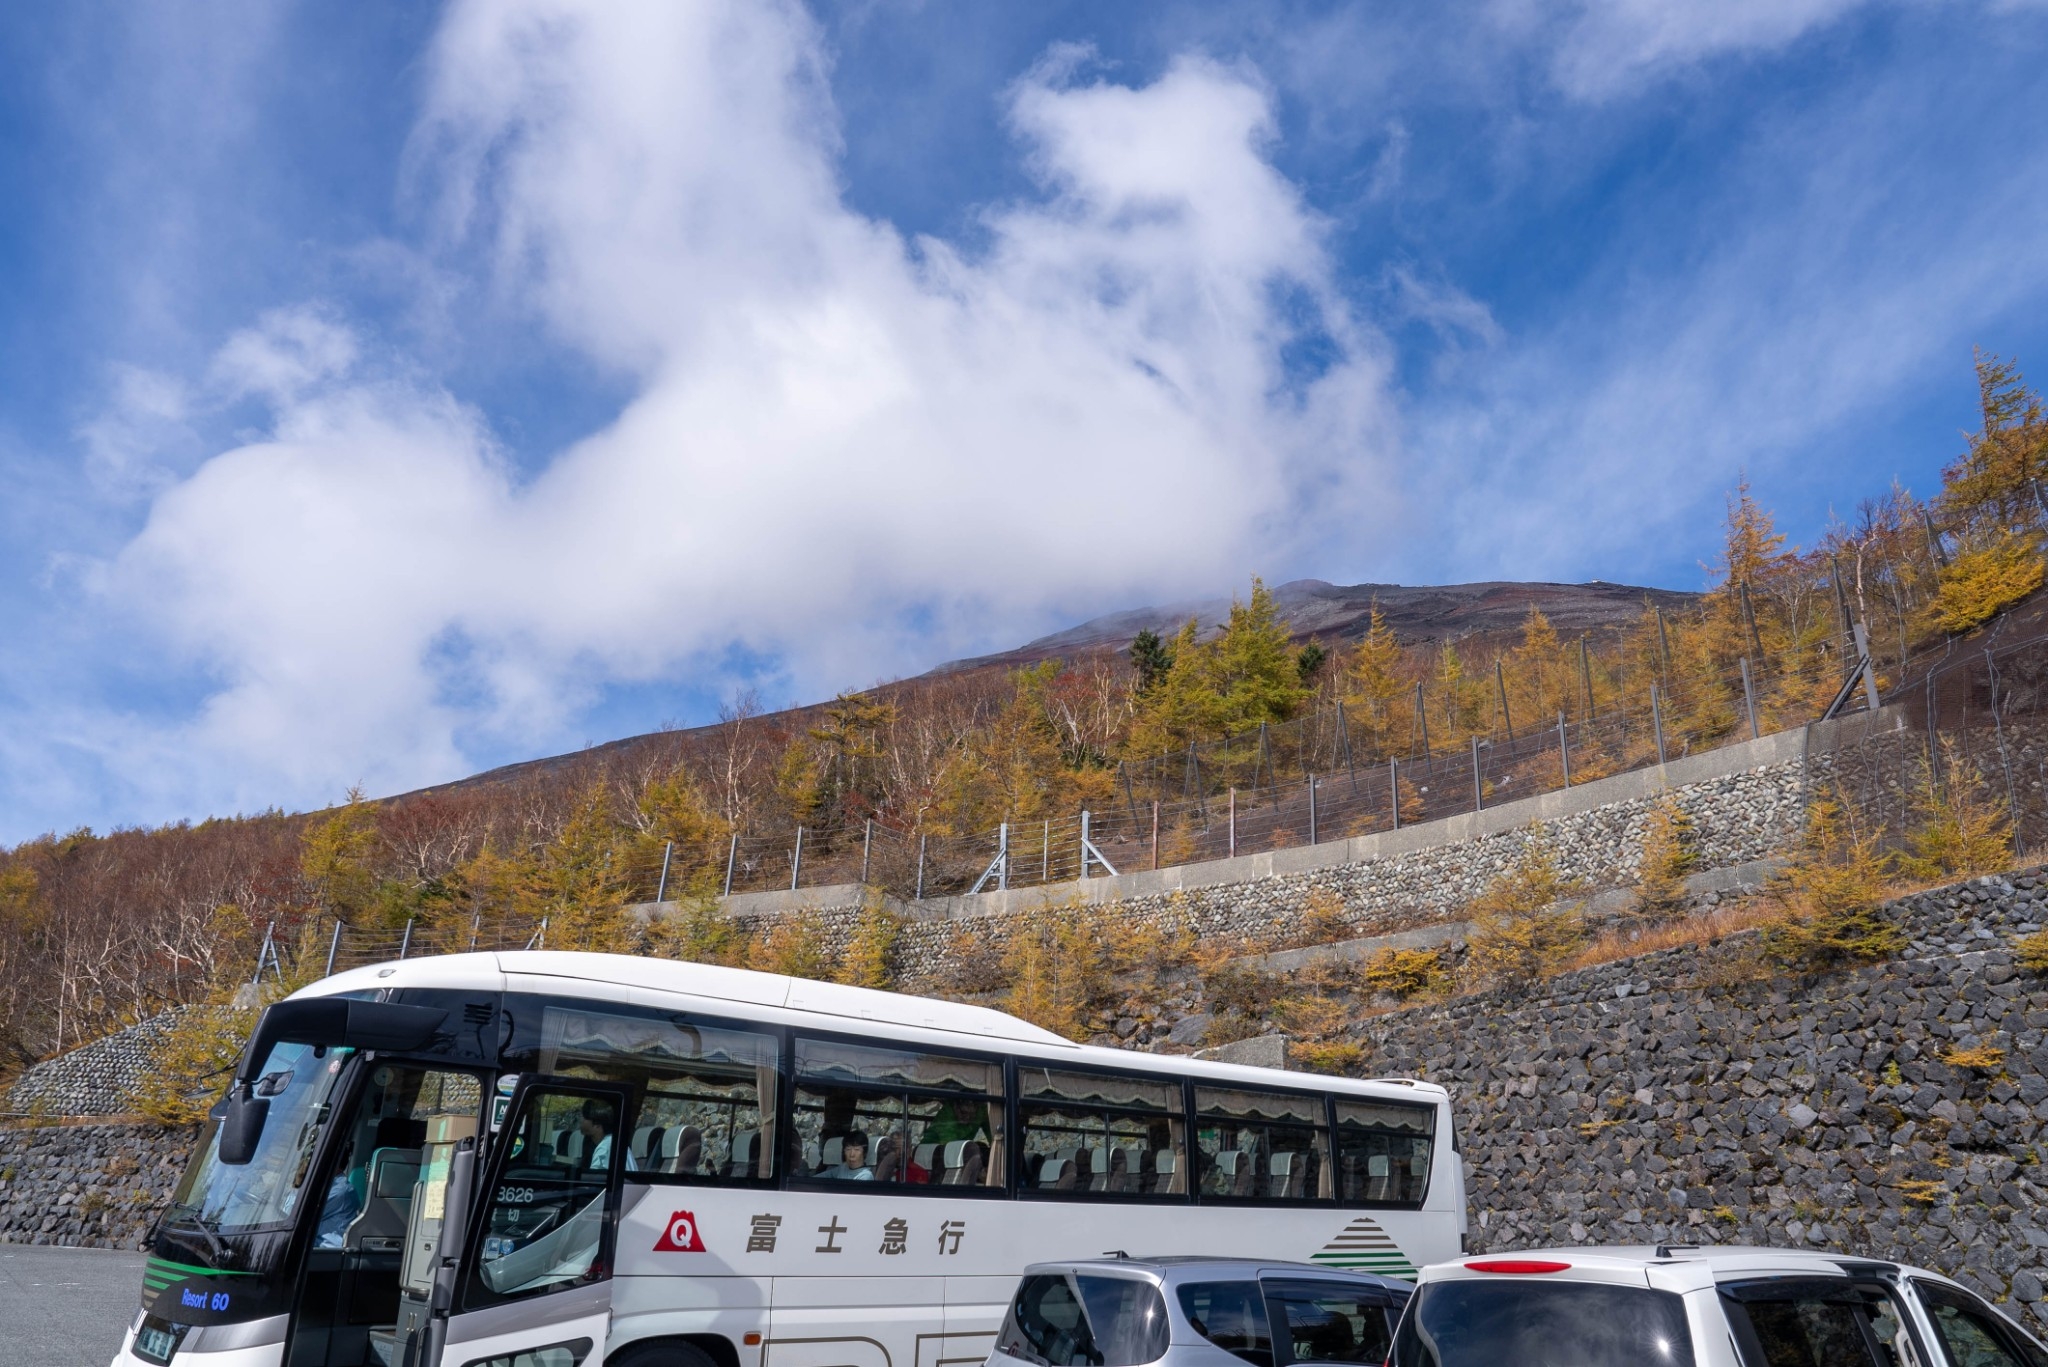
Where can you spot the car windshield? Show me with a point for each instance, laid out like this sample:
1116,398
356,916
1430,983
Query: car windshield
1485,1323
297,1080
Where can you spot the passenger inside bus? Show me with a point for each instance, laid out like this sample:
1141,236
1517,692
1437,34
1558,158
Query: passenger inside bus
853,1160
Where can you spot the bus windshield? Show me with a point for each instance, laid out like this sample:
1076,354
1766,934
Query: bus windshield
266,1191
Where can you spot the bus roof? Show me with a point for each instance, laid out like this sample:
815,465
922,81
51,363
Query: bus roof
780,999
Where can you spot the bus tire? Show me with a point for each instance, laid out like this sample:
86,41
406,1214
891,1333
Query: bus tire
670,1353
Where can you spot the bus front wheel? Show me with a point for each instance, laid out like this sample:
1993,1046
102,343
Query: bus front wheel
669,1353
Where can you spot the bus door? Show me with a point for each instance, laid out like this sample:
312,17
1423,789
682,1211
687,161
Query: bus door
535,1289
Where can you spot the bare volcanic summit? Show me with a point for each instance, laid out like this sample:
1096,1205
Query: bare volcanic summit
1313,608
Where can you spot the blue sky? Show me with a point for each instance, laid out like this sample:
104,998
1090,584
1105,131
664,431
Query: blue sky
387,392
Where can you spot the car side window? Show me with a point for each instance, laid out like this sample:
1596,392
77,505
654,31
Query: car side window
1971,1333
1326,1322
1816,1322
1231,1315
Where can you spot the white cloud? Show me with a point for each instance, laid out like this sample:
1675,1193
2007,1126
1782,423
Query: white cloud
1610,46
124,442
287,352
833,431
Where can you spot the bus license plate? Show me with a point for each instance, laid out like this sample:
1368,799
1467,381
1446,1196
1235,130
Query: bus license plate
157,1343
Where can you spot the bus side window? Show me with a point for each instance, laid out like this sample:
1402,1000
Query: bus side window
706,1092
1115,1137
1261,1146
1383,1152
895,1117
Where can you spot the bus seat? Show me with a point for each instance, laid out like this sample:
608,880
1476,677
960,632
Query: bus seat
1167,1178
1286,1172
646,1144
380,1225
1056,1174
965,1162
1090,1172
927,1157
831,1155
570,1148
1247,1183
1034,1164
744,1145
1126,1167
682,1150
888,1164
1378,1177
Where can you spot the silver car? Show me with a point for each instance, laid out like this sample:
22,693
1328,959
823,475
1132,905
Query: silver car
1197,1312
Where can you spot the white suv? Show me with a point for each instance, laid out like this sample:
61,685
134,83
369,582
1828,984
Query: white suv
1673,1306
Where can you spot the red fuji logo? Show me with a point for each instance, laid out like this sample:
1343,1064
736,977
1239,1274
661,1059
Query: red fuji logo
680,1236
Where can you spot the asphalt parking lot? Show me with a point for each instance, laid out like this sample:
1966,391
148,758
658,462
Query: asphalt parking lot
65,1307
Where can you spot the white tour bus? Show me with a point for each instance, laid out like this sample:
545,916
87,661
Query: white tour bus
560,1160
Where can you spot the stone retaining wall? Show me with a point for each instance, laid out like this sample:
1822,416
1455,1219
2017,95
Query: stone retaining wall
1685,1095
96,1079
86,1186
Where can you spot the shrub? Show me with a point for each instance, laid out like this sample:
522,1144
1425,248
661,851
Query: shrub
191,1064
1059,968
1827,899
1405,973
1981,583
2032,952
1323,920
797,944
1517,936
1334,1056
870,958
1983,1058
1961,829
1667,856
695,931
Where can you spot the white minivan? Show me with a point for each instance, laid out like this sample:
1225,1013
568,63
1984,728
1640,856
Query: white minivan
1673,1306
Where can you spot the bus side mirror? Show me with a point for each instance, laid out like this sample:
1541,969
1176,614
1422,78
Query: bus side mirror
242,1126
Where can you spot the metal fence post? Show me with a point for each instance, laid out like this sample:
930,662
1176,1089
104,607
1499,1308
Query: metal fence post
1868,665
1394,790
1564,750
1657,722
1155,834
1084,844
920,868
405,945
867,849
1586,676
1422,720
796,860
668,848
1749,698
1478,791
1003,857
2012,800
1233,823
1500,680
732,854
1045,853
263,952
1312,829
333,944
